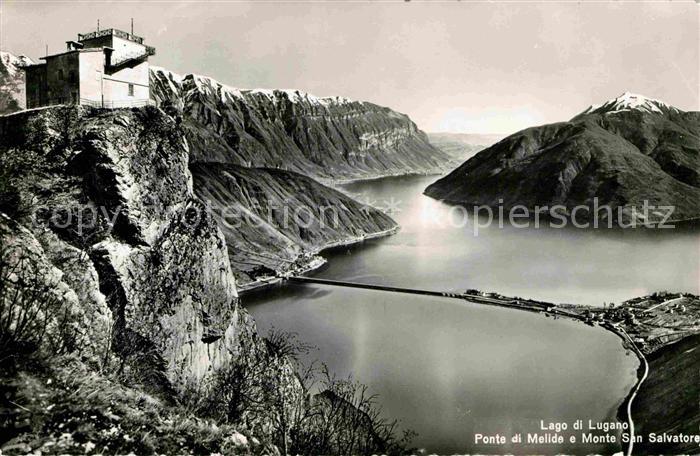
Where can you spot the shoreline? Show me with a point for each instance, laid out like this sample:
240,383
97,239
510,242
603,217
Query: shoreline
624,410
337,182
316,261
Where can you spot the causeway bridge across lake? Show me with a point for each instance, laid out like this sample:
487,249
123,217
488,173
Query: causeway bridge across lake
534,306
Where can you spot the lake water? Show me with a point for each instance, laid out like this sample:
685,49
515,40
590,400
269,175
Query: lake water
449,369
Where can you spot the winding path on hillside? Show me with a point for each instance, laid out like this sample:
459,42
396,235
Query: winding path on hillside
663,304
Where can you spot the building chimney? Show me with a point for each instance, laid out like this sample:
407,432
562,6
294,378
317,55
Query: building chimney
98,25
132,26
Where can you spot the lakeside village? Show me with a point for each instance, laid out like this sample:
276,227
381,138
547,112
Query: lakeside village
651,322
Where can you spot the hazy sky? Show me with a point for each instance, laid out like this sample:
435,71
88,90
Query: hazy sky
489,67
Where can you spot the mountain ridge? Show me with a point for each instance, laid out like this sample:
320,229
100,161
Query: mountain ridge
332,139
248,155
621,156
327,138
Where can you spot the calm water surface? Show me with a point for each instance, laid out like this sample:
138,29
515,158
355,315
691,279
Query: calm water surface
447,368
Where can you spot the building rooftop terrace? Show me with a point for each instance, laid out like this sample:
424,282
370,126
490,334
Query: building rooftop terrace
113,32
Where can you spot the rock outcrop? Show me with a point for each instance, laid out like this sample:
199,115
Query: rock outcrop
124,277
624,152
331,138
113,190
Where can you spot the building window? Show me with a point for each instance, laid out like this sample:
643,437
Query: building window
131,90
60,75
71,76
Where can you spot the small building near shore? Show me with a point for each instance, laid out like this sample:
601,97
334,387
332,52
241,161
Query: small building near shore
105,68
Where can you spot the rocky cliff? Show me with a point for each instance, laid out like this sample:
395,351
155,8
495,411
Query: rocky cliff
329,138
108,200
113,270
628,150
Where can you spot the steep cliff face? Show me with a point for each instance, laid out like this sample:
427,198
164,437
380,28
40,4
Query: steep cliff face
275,220
114,190
12,92
624,152
327,138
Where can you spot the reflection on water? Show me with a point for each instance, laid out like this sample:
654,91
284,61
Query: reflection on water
447,368
560,265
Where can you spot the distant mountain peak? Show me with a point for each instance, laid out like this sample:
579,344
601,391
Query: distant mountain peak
630,102
12,63
12,91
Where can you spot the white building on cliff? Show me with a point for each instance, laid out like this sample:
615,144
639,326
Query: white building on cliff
106,68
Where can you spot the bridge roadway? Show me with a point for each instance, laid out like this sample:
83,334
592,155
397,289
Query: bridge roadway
502,302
